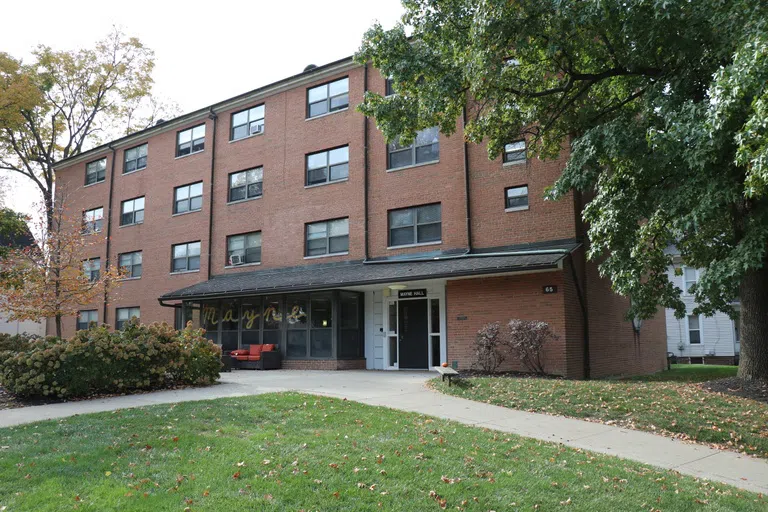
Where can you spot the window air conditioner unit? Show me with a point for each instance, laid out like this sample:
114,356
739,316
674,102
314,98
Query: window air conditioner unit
236,259
256,128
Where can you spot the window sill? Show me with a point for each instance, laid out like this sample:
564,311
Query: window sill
130,278
130,225
327,255
392,247
406,167
247,137
516,209
184,272
513,164
327,114
191,154
186,213
96,183
326,183
133,172
243,265
245,200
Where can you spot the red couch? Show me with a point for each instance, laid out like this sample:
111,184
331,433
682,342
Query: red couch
257,357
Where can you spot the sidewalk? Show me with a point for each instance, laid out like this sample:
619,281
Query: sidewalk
406,391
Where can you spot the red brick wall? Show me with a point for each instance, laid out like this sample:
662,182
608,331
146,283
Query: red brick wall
319,364
500,299
613,346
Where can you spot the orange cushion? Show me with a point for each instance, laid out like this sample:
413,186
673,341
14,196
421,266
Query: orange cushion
254,358
239,352
243,357
255,350
268,347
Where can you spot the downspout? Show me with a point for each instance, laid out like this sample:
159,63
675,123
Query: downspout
109,227
365,167
212,115
585,321
466,181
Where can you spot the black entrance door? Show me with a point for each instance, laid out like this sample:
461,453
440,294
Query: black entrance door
414,345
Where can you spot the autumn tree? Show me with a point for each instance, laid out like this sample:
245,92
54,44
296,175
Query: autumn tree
63,102
54,278
664,105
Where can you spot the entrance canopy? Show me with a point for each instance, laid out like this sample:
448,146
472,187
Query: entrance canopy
357,273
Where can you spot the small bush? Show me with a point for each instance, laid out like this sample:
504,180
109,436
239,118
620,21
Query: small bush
15,342
527,340
96,361
491,348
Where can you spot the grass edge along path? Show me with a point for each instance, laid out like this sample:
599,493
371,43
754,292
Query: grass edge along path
668,403
288,451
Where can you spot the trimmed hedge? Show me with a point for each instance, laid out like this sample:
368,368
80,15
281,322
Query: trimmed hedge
96,361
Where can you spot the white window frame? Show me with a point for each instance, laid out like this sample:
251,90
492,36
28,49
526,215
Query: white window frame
511,149
688,330
685,282
518,208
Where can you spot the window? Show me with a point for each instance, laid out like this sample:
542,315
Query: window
328,166
327,237
132,212
130,263
190,141
84,319
417,225
96,172
93,220
188,198
135,159
125,315
186,257
690,278
516,198
425,148
694,330
328,98
389,88
246,184
514,152
243,249
92,268
247,122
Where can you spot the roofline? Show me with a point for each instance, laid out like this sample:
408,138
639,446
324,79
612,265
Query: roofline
293,289
262,92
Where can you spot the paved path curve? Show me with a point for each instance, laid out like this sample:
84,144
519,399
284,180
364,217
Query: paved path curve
406,391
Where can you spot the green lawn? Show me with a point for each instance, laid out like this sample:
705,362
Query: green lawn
299,452
669,403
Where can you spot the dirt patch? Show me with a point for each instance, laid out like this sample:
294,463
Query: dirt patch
734,386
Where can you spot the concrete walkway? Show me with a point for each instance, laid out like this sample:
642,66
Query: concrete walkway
406,391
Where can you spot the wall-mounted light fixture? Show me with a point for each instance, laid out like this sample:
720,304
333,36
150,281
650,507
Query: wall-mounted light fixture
397,287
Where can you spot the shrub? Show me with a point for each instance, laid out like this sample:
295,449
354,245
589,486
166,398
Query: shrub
15,342
94,361
491,348
527,340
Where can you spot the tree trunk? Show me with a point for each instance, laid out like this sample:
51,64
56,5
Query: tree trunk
753,361
58,326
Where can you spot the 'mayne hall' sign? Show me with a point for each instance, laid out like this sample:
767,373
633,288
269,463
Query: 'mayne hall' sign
412,294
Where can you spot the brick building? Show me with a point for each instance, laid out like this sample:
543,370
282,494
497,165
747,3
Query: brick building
282,216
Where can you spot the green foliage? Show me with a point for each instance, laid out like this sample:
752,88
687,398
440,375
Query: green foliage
14,232
664,105
94,361
15,342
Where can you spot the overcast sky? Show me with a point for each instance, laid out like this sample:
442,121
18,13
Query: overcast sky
204,51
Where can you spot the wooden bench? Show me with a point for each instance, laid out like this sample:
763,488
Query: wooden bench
446,371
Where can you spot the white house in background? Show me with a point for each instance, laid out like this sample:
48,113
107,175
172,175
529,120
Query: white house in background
697,338
17,327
